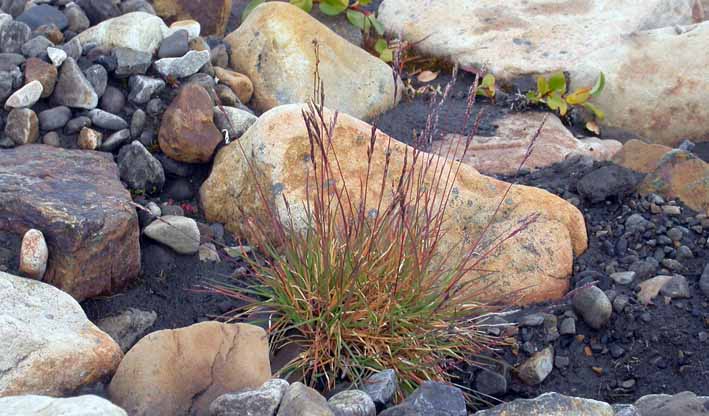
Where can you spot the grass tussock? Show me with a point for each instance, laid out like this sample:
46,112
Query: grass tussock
358,290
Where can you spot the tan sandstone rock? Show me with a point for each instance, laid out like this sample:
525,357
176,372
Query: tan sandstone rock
536,264
187,132
47,345
212,15
239,83
647,95
181,371
671,173
682,175
503,152
274,48
518,37
640,156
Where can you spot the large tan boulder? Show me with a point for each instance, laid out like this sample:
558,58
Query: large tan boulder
654,98
519,37
503,152
537,262
274,48
212,15
47,345
181,371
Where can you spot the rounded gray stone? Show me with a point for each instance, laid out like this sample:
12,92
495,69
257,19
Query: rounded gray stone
54,118
352,403
593,305
106,120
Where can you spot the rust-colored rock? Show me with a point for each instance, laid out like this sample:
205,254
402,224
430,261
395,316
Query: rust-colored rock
213,15
535,265
671,173
239,83
502,153
77,200
45,73
181,371
680,174
187,133
640,156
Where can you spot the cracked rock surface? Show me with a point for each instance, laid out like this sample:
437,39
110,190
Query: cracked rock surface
181,371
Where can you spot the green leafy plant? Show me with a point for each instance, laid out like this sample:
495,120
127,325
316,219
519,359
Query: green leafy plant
385,51
487,86
358,17
552,91
361,284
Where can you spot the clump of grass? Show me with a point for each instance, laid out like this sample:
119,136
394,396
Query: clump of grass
359,289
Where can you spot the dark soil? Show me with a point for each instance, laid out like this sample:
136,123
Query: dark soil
411,115
9,247
663,352
172,284
702,150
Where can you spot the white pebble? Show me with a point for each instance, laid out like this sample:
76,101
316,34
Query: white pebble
33,254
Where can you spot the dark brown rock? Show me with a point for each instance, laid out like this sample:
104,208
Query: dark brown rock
187,133
45,73
212,15
77,200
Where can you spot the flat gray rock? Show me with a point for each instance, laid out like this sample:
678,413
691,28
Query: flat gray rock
550,404
183,66
33,405
179,233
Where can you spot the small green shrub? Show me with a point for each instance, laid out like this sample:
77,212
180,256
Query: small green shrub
552,92
487,86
